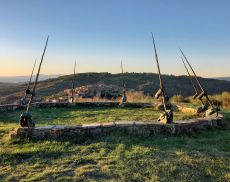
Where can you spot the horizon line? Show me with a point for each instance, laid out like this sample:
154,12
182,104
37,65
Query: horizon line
62,74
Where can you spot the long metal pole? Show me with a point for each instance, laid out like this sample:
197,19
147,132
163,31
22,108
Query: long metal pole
159,74
36,80
73,82
193,84
122,71
201,87
28,86
190,77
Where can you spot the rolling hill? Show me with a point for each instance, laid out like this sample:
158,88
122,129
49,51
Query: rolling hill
23,79
146,82
224,78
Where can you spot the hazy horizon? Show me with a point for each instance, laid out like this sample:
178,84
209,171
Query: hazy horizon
57,74
100,34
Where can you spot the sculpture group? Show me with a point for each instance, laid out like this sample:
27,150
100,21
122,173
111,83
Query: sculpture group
166,117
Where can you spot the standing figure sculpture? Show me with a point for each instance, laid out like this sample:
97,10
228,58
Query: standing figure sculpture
24,102
167,116
204,106
73,84
213,109
124,97
26,118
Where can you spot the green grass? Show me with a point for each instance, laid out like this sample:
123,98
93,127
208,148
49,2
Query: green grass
117,157
79,115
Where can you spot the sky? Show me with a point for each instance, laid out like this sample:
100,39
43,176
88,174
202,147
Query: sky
98,34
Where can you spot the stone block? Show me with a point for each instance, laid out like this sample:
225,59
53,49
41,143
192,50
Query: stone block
108,125
124,124
90,126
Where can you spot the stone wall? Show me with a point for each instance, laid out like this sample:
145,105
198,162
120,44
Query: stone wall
12,107
100,129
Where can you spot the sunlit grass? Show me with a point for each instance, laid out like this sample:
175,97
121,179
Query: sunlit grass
76,115
117,157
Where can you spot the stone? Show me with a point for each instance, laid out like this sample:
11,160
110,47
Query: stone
124,124
186,110
90,126
136,127
139,123
108,125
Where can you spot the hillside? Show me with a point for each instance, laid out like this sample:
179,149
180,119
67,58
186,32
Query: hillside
224,78
23,79
146,82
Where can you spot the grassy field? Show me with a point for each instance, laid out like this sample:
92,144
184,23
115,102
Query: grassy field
117,157
77,115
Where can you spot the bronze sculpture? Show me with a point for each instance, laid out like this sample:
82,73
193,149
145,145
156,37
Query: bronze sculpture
167,116
124,97
73,84
24,102
204,106
25,118
214,109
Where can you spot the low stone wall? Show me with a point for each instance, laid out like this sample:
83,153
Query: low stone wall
12,107
101,129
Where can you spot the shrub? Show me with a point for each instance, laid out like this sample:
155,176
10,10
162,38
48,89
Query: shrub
225,99
135,96
177,98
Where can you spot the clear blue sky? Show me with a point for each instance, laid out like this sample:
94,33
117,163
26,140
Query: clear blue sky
99,33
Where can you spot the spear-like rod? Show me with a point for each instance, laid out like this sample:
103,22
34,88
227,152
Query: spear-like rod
193,84
28,86
201,87
122,71
36,80
159,74
73,82
190,77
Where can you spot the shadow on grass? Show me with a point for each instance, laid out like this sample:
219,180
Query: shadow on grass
127,157
77,115
122,156
80,115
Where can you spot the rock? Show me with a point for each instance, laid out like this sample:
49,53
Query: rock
97,90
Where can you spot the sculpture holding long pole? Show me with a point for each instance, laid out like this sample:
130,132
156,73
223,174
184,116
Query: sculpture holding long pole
73,83
212,110
204,106
167,115
124,97
26,118
27,91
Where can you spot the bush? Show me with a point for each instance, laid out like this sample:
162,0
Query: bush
177,98
222,100
135,96
225,99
